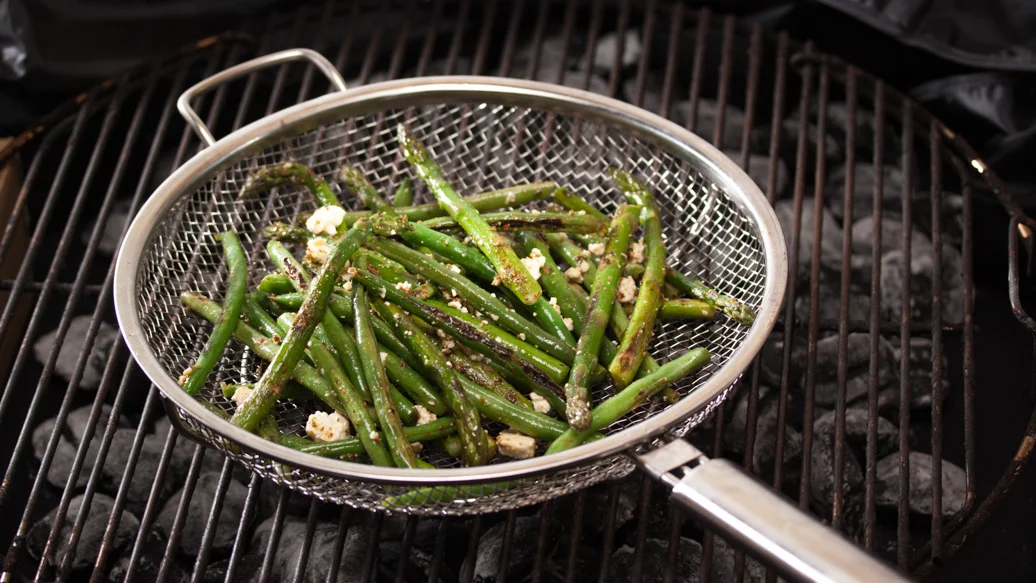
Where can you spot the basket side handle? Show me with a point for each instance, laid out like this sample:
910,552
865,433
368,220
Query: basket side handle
183,104
755,517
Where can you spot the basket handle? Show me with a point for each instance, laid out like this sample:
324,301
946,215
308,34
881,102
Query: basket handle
757,518
1017,228
184,102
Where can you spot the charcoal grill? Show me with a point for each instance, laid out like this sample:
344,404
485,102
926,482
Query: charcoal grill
105,153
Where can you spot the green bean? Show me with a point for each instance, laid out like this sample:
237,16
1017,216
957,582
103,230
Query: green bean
347,394
572,254
574,202
293,390
483,374
529,221
193,379
285,232
443,494
469,424
394,273
511,196
291,173
276,283
377,380
258,317
408,379
686,309
634,342
437,429
510,270
620,404
602,299
732,308
404,195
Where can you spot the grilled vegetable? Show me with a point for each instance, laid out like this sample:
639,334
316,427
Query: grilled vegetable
530,221
291,173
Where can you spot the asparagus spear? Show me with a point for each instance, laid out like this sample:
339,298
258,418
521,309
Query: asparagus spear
516,195
439,428
404,195
292,173
469,425
310,313
395,273
377,380
529,221
193,379
685,309
510,270
483,374
574,202
347,394
732,308
642,322
621,403
597,316
284,232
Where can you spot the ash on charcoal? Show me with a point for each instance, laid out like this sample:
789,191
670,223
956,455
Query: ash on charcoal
705,123
76,424
864,178
89,545
788,143
954,484
858,367
139,490
891,237
73,345
723,568
764,451
355,549
921,278
247,569
487,559
609,44
771,359
822,477
597,504
856,431
829,309
551,51
417,565
759,171
656,562
113,228
149,563
65,454
830,236
198,515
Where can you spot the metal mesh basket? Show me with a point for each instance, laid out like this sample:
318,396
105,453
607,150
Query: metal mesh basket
484,141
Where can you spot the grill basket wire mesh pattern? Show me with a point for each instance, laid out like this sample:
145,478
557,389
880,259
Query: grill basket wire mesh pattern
482,146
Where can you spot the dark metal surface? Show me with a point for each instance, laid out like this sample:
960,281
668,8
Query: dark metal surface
122,138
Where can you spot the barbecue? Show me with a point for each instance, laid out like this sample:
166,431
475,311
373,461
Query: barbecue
876,200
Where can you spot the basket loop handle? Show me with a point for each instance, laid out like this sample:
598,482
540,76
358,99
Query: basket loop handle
183,104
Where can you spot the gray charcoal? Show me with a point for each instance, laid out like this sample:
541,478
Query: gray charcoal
822,478
921,289
723,568
247,569
864,178
651,100
788,143
954,484
656,561
550,59
764,451
73,345
891,237
139,491
858,367
734,436
856,431
487,560
759,171
149,563
705,123
65,454
771,360
118,216
355,549
198,515
837,122
418,565
829,309
89,544
597,497
830,237
609,44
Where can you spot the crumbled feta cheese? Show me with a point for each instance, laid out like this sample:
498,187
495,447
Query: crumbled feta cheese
584,266
453,268
186,374
384,292
424,416
323,426
455,304
627,290
449,363
494,317
534,263
540,404
574,274
637,252
348,286
417,446
241,395
496,280
383,356
404,285
521,335
515,445
325,220
510,198
440,333
317,250
581,213
448,344
554,304
568,322
596,248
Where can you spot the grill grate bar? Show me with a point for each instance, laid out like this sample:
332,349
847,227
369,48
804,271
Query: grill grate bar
903,525
255,484
937,348
505,548
675,26
843,332
210,526
541,542
577,535
609,532
429,41
307,541
408,542
700,44
344,521
270,552
193,473
642,528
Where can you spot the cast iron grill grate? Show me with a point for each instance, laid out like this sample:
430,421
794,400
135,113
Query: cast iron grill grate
105,489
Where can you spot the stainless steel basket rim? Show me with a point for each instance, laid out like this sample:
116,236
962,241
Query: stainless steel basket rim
294,120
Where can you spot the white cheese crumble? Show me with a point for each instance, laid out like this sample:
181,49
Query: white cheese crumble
574,274
637,252
325,220
384,356
348,286
540,404
568,323
554,304
584,266
521,335
424,416
417,446
241,395
627,290
515,445
453,268
404,286
323,426
596,248
317,250
510,198
534,263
